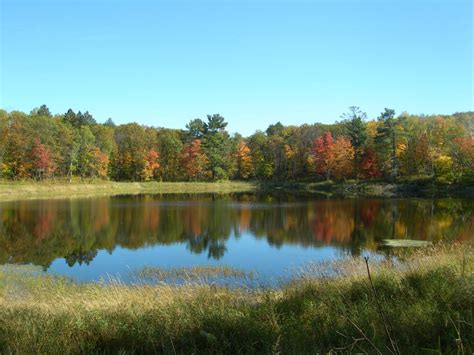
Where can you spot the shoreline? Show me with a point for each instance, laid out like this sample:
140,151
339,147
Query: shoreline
57,189
11,191
368,189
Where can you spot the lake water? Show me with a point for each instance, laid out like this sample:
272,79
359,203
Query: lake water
272,235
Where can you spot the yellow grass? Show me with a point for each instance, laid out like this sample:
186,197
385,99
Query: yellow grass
62,189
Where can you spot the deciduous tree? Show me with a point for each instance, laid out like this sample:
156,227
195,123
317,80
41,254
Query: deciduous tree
150,170
244,160
194,160
43,163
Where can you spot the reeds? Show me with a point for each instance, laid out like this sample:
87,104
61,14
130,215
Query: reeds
425,300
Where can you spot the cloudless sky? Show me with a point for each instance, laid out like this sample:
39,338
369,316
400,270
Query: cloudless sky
256,62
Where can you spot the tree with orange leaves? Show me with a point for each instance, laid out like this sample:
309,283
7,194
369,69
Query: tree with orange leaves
194,160
342,163
244,161
100,162
151,164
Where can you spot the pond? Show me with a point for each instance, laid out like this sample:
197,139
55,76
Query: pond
272,235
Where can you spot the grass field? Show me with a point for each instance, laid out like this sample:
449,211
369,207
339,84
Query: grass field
63,189
424,304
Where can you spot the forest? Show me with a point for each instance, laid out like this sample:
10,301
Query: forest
40,146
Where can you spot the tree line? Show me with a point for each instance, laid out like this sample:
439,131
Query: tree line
40,145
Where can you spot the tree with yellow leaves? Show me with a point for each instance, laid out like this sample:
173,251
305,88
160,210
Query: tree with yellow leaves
244,161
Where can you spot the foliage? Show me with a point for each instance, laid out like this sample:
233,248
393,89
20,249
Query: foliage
244,161
42,161
343,158
323,154
170,148
390,147
333,158
194,160
443,166
369,164
150,170
217,146
356,131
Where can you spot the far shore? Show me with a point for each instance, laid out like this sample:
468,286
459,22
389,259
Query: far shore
12,190
29,189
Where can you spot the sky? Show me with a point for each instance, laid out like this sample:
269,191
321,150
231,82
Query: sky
256,62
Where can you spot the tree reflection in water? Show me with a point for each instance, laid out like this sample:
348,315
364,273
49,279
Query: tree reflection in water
40,231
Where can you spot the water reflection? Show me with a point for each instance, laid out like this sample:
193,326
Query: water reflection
41,231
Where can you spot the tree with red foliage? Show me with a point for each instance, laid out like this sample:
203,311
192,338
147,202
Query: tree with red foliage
369,164
323,154
333,157
43,164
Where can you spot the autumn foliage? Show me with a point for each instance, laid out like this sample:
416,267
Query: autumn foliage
41,146
244,160
43,163
194,160
333,158
151,164
323,152
369,164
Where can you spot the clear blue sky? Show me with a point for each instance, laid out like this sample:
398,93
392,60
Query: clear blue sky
256,62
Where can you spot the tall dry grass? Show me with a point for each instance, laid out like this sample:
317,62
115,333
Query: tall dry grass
426,299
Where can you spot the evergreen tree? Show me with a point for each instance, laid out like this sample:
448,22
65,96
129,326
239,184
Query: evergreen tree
355,129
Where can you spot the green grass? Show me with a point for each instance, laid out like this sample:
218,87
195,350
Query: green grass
61,188
426,305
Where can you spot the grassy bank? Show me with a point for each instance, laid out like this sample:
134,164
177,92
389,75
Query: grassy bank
423,305
62,189
79,188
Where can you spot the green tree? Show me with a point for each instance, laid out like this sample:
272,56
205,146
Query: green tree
217,146
355,129
274,129
169,141
80,119
86,156
262,156
215,123
43,110
218,149
109,123
70,117
387,131
195,129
